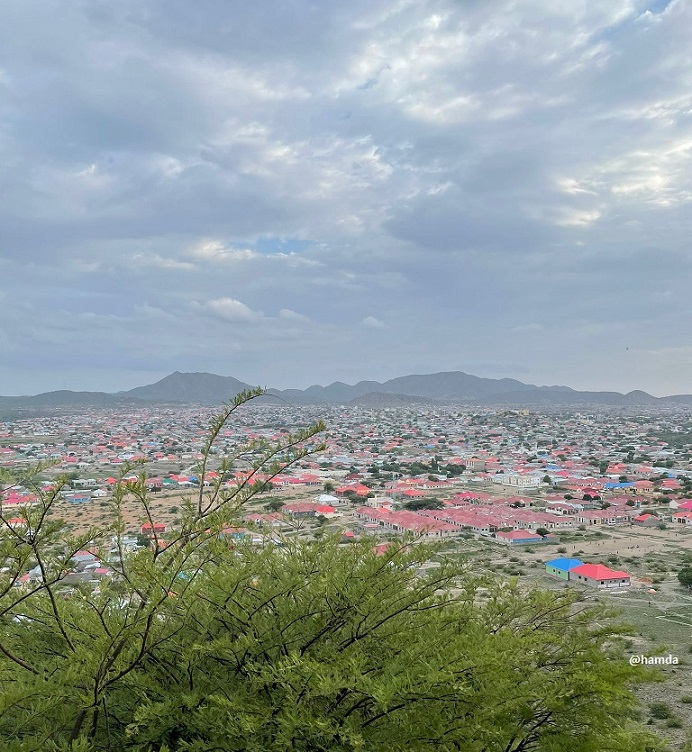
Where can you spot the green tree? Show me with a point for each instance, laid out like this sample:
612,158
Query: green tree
274,505
685,577
428,503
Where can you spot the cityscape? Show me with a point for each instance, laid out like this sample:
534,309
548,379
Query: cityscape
345,376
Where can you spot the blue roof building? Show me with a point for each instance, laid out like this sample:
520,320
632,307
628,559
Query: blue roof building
561,567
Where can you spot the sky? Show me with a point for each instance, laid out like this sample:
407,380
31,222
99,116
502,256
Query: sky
295,192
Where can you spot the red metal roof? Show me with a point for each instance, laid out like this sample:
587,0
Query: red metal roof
599,572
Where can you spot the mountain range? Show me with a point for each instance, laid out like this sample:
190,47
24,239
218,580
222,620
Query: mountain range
438,388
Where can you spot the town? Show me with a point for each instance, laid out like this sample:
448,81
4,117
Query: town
519,479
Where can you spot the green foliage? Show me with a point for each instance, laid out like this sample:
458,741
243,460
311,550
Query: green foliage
685,577
428,503
274,505
199,645
660,710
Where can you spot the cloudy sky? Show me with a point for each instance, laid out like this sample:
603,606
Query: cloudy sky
298,191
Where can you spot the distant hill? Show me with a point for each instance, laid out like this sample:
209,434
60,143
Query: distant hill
382,400
572,398
195,388
679,399
450,386
453,387
66,398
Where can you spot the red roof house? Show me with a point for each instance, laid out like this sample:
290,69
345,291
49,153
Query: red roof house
599,576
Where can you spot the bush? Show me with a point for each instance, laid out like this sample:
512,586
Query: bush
660,711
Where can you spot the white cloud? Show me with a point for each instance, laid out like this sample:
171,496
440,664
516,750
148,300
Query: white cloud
288,315
216,252
230,309
370,322
155,261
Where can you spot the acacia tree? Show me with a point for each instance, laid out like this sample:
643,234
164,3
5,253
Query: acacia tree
199,645
65,659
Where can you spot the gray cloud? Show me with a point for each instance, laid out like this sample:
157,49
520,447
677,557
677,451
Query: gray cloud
227,186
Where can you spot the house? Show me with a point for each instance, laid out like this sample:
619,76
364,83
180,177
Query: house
158,529
563,507
357,488
682,518
561,567
518,537
309,509
79,497
404,521
84,559
411,493
328,499
646,520
604,517
599,576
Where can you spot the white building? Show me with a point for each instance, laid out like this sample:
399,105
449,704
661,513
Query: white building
518,480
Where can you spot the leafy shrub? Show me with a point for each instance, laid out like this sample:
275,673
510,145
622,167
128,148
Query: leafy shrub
660,711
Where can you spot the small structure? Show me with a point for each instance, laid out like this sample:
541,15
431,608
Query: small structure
159,528
328,499
79,497
647,520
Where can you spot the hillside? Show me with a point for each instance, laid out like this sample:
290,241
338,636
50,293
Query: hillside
454,387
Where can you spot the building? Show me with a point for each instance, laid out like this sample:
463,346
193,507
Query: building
682,518
159,528
518,537
475,464
518,480
599,576
309,509
561,567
